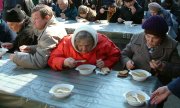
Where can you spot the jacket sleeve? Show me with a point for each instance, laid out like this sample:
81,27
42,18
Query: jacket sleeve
174,87
112,55
127,52
56,59
39,59
172,68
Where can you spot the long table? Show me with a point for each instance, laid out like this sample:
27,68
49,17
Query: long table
118,33
27,88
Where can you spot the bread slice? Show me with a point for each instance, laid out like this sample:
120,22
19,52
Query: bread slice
123,73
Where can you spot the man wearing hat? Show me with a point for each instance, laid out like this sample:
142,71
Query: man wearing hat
153,50
20,23
50,32
131,11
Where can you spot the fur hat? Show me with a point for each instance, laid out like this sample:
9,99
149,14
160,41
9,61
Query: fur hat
15,14
155,25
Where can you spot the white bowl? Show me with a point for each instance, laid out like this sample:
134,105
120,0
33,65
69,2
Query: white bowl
3,51
139,74
128,23
60,19
61,90
86,69
103,21
81,20
129,97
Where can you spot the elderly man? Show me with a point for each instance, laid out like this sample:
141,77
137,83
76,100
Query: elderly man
21,24
51,32
66,10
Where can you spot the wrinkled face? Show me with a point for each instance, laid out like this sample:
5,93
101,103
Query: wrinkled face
152,40
129,4
62,5
38,22
83,15
153,12
15,26
84,45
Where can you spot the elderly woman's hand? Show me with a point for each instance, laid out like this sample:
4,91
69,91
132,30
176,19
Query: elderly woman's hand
69,62
130,64
156,65
100,63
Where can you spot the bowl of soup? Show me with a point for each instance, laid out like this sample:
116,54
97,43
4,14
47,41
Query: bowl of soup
61,90
128,23
139,74
136,97
85,69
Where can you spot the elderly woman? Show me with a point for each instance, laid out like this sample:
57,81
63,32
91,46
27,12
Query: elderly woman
153,50
131,11
110,13
86,13
85,44
156,9
21,24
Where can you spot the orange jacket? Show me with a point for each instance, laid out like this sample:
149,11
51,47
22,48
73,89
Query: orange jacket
105,50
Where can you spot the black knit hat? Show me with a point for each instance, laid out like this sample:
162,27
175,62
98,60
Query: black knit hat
155,25
15,14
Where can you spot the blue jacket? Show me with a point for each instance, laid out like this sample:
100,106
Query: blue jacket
165,14
71,12
174,87
6,34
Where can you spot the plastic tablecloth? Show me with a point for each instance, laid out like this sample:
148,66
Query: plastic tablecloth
28,88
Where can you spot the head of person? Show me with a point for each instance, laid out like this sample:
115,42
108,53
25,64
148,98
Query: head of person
63,4
154,8
84,39
155,29
112,7
15,18
46,2
129,3
83,11
41,15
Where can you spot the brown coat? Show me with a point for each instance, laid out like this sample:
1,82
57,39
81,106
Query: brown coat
138,52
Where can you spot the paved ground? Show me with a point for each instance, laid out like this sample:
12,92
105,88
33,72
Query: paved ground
172,102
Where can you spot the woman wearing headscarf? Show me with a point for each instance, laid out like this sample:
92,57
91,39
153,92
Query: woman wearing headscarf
85,44
156,9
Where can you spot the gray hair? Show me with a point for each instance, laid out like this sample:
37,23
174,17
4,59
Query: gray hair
43,9
84,35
